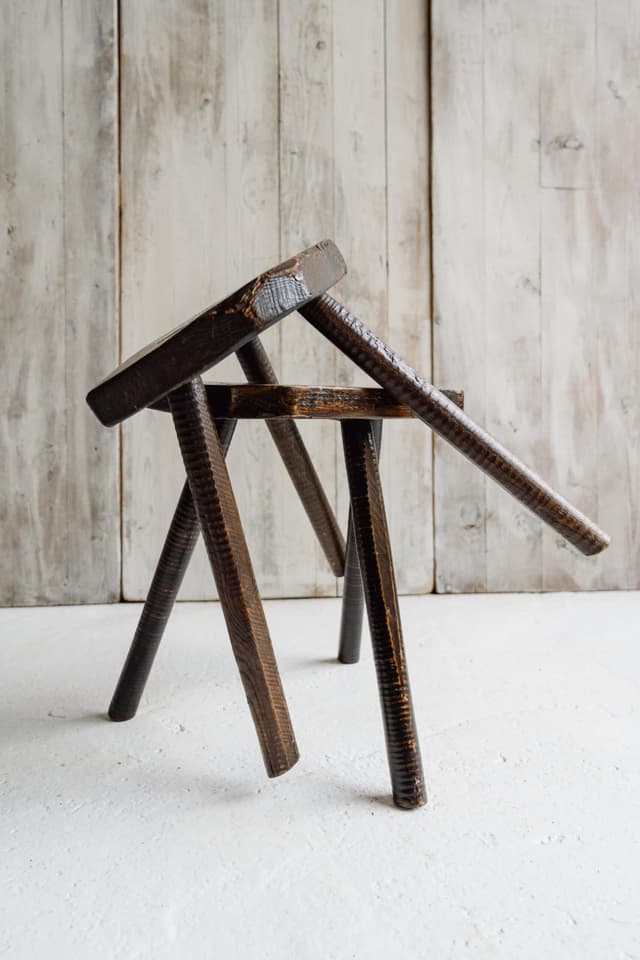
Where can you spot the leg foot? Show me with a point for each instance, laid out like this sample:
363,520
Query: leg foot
169,574
231,565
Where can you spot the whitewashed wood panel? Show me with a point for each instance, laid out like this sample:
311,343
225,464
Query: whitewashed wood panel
270,136
458,269
307,214
535,217
59,509
407,446
200,216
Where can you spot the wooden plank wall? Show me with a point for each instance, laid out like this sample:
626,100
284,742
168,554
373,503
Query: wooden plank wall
59,481
249,131
536,217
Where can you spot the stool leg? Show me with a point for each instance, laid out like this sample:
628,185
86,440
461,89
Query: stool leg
231,565
376,564
176,553
353,595
257,368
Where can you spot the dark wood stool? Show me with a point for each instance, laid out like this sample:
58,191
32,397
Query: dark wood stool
167,375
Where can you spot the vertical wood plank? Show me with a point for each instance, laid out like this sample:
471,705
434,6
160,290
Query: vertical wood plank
590,223
59,468
511,263
616,286
459,289
359,151
307,214
547,313
200,194
335,177
91,294
406,461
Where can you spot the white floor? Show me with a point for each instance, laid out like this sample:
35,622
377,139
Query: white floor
162,837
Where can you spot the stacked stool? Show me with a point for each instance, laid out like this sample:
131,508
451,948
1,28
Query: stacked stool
167,376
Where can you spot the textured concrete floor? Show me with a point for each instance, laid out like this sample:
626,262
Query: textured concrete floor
162,837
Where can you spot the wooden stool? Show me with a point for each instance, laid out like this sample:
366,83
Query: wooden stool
166,375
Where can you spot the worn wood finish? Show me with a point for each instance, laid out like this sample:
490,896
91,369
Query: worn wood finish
376,564
240,401
408,461
59,503
229,557
353,596
353,591
176,553
220,330
536,222
225,171
286,436
346,173
200,214
357,341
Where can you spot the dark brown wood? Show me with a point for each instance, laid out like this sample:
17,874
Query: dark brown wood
353,596
195,346
249,401
353,590
286,436
176,553
376,565
229,557
266,401
406,386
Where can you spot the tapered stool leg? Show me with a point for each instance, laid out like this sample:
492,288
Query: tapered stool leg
176,553
376,564
257,368
353,594
231,565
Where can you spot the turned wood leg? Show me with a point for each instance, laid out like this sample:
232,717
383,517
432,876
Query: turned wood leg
353,593
286,436
169,573
231,565
376,564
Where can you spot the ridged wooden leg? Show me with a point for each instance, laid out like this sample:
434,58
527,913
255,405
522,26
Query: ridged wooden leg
286,436
353,594
169,573
229,557
376,564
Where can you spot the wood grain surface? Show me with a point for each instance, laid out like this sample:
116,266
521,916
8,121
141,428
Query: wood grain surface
376,564
231,565
535,252
59,499
359,343
283,401
216,333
